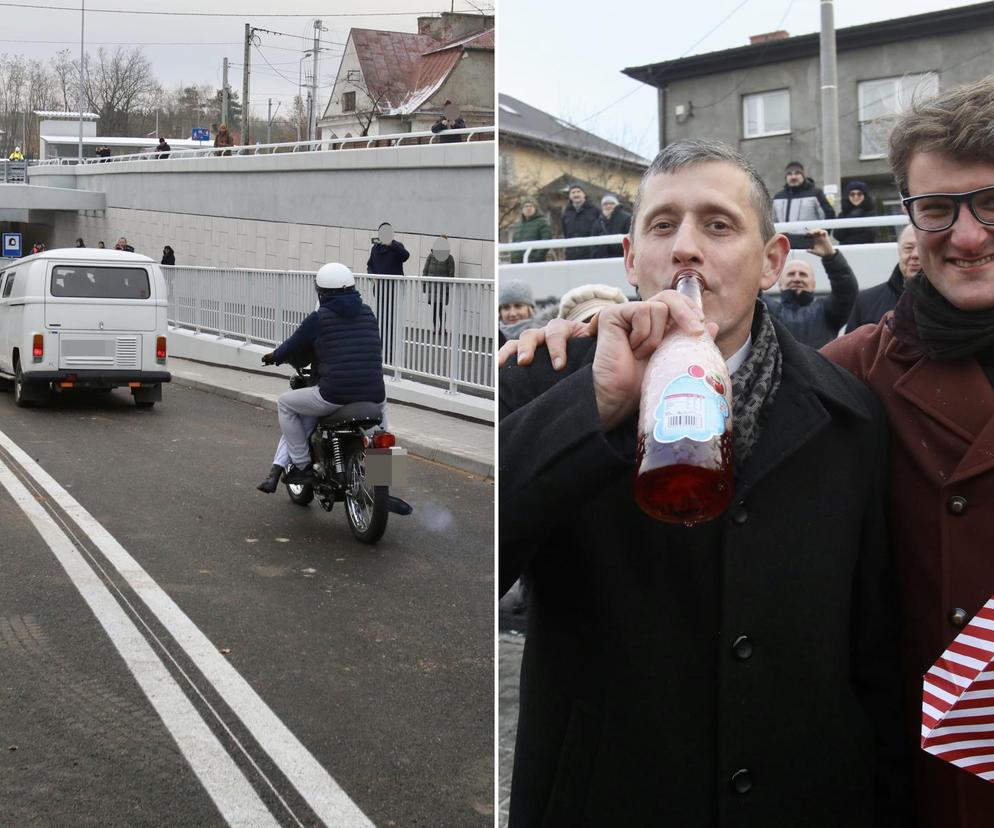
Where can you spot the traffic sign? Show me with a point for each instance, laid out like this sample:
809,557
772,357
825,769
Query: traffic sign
12,245
200,134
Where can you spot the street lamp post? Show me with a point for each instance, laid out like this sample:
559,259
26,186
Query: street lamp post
300,83
82,23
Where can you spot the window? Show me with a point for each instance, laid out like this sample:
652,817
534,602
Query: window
101,282
882,101
348,102
766,113
353,75
7,288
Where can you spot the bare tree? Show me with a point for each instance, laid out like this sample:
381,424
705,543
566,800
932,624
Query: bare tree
119,86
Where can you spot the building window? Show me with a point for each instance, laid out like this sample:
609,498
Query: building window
766,113
348,102
353,75
882,101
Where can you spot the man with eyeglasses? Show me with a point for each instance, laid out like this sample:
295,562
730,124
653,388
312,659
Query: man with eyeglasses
932,364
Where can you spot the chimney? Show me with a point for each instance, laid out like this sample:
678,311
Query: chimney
780,34
452,26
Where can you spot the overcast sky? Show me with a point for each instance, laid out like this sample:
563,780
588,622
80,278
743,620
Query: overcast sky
566,57
190,49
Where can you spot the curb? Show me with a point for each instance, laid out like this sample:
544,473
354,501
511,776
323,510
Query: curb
414,446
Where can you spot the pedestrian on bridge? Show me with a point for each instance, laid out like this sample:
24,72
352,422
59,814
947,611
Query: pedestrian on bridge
386,258
224,139
16,155
438,264
168,256
163,148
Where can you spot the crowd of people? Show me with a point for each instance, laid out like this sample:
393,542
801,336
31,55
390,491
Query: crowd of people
766,667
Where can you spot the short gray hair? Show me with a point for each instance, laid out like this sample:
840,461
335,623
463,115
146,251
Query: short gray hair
683,154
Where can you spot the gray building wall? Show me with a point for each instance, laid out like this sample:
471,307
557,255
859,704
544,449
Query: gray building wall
290,211
717,102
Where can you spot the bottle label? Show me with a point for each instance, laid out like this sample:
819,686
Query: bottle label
691,407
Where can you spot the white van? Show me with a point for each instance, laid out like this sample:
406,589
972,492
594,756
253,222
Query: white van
83,318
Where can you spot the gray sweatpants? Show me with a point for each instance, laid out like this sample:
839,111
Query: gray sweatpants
299,411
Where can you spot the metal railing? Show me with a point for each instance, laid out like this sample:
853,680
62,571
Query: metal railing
433,329
319,145
14,172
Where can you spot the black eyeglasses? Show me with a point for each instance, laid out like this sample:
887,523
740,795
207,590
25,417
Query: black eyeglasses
935,212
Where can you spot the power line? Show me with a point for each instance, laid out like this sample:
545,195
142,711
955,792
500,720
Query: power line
75,9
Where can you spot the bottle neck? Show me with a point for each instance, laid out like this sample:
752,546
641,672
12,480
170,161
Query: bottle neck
690,284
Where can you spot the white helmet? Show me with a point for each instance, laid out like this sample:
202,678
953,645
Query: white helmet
334,276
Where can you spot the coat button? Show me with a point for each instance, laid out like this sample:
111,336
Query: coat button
741,781
740,514
742,647
957,505
958,617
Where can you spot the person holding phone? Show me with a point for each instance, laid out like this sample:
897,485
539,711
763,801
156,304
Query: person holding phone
812,321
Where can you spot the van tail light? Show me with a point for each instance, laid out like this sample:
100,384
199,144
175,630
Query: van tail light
160,349
384,439
38,347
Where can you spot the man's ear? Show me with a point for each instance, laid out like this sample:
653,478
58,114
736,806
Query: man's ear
774,259
626,245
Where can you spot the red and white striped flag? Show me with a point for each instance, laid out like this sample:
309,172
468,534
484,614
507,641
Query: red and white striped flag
958,699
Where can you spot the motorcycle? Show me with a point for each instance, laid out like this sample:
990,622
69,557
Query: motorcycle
354,462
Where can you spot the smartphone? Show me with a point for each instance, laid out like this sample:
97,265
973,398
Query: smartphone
801,241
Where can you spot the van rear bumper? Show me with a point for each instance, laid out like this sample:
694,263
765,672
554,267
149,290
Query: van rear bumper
98,377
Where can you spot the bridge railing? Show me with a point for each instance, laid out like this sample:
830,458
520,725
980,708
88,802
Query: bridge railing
481,133
437,330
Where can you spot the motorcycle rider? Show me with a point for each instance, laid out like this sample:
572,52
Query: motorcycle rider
343,337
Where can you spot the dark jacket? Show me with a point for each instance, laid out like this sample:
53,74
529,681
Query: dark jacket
168,257
857,235
620,222
164,149
441,126
670,675
942,419
874,302
387,259
580,224
818,321
537,228
438,268
805,202
345,338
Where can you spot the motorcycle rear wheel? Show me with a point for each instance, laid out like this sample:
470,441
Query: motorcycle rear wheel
365,505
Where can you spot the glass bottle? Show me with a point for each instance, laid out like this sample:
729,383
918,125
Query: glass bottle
684,453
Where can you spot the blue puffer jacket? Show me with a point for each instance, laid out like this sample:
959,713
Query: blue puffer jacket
346,340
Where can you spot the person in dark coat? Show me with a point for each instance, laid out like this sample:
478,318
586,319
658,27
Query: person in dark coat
438,264
224,139
80,242
533,226
874,302
443,124
613,220
856,203
815,321
800,200
670,674
344,338
168,256
580,220
931,362
163,149
386,258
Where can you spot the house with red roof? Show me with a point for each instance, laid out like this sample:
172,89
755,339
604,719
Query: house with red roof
393,82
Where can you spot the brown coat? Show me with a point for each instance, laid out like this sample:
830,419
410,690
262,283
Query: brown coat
942,523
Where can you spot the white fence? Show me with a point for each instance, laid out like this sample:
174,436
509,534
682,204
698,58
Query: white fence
481,133
871,263
433,329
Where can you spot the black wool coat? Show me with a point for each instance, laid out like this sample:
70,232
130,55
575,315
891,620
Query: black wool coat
743,672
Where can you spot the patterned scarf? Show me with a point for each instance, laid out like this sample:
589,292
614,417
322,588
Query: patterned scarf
754,386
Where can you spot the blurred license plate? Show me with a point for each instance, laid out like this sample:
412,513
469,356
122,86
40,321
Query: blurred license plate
386,467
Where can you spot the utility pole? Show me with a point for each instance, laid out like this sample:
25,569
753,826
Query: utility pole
224,95
829,106
269,122
245,85
312,128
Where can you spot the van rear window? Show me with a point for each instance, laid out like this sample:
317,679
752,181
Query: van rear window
101,282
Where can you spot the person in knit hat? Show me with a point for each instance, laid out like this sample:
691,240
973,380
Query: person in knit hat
800,200
857,204
614,219
533,226
516,310
581,304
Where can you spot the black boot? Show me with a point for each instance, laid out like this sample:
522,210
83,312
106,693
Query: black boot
270,483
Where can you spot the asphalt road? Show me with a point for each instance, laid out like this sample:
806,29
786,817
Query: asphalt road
363,677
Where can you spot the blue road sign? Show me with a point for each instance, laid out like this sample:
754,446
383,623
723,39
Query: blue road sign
12,245
200,134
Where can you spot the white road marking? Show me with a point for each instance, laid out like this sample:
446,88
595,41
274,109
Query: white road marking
234,797
314,784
